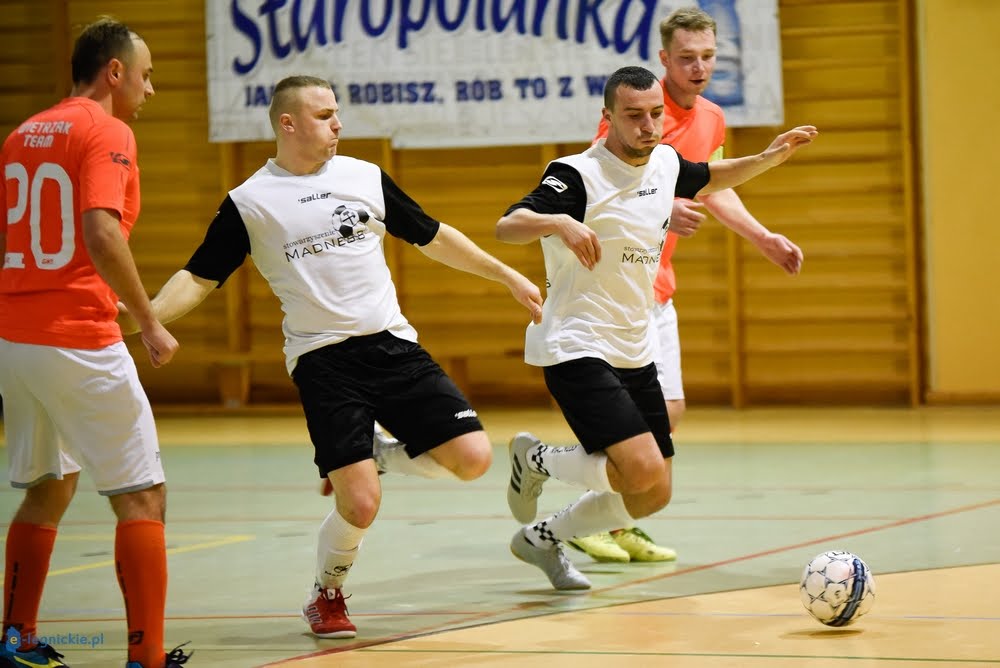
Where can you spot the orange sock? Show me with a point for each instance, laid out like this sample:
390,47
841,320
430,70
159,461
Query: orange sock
29,549
141,564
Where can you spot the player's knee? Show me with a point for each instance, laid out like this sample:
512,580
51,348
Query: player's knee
474,463
467,457
359,511
659,496
651,501
144,504
46,502
642,475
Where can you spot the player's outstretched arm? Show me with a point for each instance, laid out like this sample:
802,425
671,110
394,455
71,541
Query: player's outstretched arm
734,171
179,295
522,226
112,259
728,209
456,250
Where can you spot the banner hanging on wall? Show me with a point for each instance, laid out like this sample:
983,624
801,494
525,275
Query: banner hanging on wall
454,73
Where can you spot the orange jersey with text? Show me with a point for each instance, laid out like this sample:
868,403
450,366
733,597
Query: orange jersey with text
59,163
697,133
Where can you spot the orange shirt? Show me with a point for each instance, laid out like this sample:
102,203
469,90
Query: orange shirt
59,163
696,133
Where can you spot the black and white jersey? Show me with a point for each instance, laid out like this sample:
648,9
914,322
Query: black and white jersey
605,312
317,240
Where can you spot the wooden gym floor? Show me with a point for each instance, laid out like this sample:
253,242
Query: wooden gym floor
916,493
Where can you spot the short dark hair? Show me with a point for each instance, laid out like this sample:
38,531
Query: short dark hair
102,40
636,78
282,90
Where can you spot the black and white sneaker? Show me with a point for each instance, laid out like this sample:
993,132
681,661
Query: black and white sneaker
550,558
525,484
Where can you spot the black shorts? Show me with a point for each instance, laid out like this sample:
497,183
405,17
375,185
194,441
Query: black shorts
347,386
605,405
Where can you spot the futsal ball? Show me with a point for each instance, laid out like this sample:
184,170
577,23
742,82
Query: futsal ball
837,588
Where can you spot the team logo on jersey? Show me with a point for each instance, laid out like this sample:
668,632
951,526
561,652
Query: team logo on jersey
120,159
554,183
636,255
349,227
347,219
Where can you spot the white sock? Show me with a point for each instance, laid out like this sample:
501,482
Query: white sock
339,542
592,513
572,465
392,458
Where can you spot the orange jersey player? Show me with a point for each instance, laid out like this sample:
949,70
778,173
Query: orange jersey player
70,158
71,394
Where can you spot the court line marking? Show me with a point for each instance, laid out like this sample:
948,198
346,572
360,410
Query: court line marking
272,615
785,615
480,618
944,486
720,655
499,517
229,540
110,534
598,610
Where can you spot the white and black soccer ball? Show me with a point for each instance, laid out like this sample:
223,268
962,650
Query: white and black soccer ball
837,588
348,219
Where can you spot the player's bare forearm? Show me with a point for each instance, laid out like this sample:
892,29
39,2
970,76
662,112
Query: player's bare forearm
113,261
732,172
452,248
180,294
728,209
522,226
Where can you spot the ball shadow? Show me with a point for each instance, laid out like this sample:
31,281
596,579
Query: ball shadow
822,634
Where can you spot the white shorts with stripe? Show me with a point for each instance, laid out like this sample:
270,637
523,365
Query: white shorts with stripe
667,350
68,408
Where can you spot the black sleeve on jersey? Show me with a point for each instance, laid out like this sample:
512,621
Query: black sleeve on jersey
404,218
560,191
225,247
692,177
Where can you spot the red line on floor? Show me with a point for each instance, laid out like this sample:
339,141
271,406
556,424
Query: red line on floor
469,621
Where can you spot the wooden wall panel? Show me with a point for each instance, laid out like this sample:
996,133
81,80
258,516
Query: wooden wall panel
843,324
28,82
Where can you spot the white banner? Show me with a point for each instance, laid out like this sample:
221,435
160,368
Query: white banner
448,73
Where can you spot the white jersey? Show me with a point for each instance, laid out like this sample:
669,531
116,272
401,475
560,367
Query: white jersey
604,312
317,240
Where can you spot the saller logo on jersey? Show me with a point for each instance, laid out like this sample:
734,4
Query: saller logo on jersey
554,183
